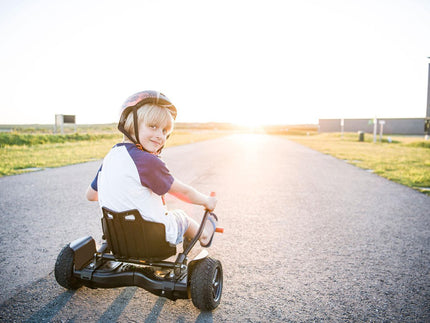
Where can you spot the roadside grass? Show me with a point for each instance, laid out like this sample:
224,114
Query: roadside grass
21,159
405,160
34,155
23,139
67,128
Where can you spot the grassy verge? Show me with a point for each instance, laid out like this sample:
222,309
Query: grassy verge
405,160
20,139
20,158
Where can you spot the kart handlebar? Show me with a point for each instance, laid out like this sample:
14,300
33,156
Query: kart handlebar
201,228
217,229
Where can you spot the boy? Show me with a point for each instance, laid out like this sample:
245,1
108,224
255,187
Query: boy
132,175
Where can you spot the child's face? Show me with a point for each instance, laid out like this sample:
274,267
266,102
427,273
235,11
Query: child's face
153,137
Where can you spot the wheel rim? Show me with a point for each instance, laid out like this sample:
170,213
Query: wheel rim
217,284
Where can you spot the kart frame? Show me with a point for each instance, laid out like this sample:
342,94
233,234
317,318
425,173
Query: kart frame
119,263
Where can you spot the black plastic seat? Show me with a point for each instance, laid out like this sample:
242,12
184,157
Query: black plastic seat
129,236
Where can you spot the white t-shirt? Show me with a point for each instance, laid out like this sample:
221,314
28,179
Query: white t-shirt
130,178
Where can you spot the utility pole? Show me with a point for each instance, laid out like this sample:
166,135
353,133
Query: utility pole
428,94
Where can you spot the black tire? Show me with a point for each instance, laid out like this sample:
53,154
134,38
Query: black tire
206,284
64,269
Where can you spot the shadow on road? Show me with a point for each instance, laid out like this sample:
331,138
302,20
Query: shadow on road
156,310
113,313
205,317
48,312
45,301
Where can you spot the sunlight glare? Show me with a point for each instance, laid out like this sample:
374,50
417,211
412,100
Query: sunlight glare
250,124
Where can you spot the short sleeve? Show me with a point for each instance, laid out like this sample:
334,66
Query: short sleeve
152,171
94,182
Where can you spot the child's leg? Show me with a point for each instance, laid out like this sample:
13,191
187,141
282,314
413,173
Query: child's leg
194,228
191,227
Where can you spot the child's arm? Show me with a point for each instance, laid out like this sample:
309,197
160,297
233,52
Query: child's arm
188,194
91,194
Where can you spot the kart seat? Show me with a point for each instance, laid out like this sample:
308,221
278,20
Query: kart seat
129,236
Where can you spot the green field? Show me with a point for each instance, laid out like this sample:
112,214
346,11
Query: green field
21,151
404,159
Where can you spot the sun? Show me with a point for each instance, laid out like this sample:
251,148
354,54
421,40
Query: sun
250,125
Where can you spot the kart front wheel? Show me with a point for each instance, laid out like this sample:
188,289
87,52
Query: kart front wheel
206,284
64,269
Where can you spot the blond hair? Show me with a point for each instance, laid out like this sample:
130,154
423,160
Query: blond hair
151,114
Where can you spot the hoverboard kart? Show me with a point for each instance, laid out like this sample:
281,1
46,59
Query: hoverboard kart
134,254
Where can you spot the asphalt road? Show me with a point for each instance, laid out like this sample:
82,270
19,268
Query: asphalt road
307,238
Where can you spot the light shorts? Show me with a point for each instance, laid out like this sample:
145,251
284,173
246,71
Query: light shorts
183,223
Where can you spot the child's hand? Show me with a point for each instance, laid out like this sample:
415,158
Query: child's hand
211,203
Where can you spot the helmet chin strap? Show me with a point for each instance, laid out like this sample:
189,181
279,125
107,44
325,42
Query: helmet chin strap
136,130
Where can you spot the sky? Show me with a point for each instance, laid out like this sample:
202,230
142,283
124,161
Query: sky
247,62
